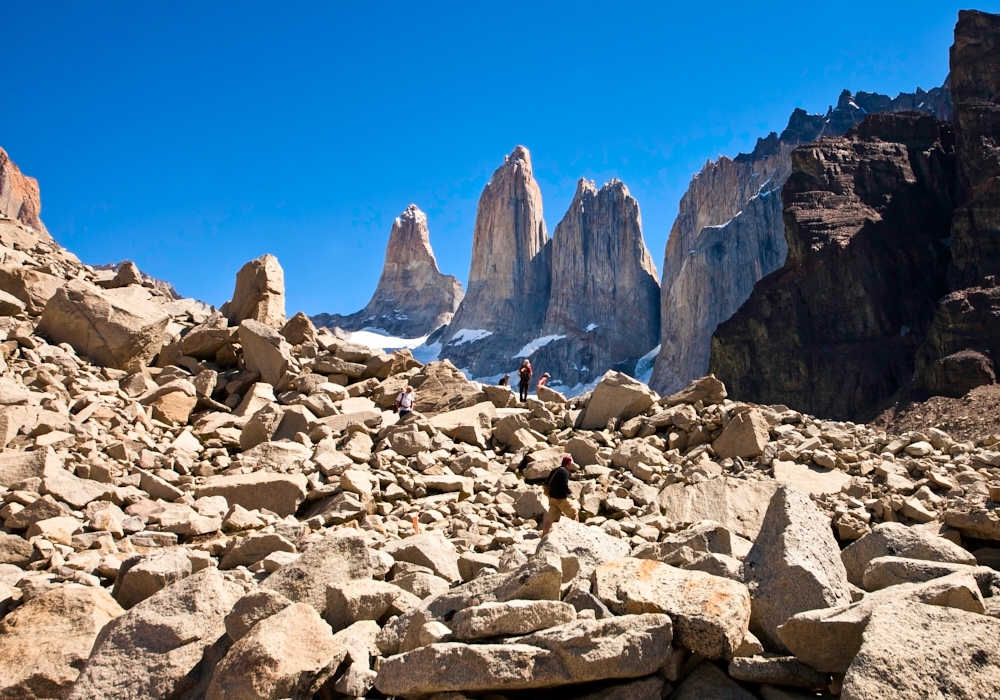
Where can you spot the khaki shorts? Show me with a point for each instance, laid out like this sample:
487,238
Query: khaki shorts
561,506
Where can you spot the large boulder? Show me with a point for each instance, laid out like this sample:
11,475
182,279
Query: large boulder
794,565
288,655
828,639
746,436
737,504
18,466
708,682
894,539
341,555
259,294
32,287
581,548
280,493
119,328
913,651
514,617
45,642
617,396
710,614
144,576
430,549
586,650
442,387
153,650
264,350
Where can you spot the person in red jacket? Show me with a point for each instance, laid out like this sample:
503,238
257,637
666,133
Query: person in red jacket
543,380
524,379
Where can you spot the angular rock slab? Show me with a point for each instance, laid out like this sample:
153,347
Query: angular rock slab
582,651
430,549
514,617
279,493
738,504
339,556
581,548
288,655
913,651
112,328
617,396
828,639
259,294
794,565
897,540
707,682
710,614
746,436
44,642
152,651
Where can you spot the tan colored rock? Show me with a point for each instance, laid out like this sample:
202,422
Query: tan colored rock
511,618
120,328
19,197
31,287
814,481
746,436
288,655
259,294
174,408
264,350
737,504
481,416
280,493
616,396
45,642
895,539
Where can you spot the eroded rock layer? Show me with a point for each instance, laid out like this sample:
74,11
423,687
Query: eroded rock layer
729,232
412,298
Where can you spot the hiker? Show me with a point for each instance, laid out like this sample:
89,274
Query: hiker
404,403
524,379
543,380
557,489
505,381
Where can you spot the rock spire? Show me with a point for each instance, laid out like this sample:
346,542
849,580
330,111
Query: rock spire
19,196
412,298
509,277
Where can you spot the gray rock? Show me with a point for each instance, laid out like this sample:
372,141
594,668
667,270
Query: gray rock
348,602
793,566
883,572
703,536
152,651
736,504
581,548
707,682
913,651
710,614
251,549
776,670
514,617
897,540
828,639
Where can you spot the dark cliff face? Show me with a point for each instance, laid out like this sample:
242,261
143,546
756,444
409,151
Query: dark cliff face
412,298
729,231
834,332
603,309
964,342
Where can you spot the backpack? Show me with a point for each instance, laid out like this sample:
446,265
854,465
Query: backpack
547,488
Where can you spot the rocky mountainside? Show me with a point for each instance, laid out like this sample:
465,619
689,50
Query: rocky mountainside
510,274
20,199
576,304
729,231
219,506
908,312
413,298
603,309
837,327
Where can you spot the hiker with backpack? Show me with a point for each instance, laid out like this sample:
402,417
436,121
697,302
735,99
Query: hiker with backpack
557,490
524,379
404,403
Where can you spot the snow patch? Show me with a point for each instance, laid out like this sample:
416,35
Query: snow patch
644,366
379,339
468,336
537,343
427,353
591,327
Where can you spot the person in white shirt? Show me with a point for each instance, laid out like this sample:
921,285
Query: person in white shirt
404,402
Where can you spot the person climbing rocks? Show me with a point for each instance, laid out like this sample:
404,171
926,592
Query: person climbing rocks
404,403
543,380
557,489
524,379
505,381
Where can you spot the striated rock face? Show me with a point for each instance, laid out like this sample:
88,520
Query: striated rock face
510,275
412,298
19,196
966,326
605,295
836,329
729,232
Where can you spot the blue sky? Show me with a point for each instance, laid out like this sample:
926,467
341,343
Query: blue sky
192,137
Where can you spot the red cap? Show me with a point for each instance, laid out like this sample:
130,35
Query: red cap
567,459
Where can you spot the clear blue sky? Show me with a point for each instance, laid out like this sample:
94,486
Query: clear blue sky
192,137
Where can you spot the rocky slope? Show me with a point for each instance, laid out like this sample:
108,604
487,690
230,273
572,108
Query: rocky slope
729,231
412,298
603,310
19,196
836,329
510,274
